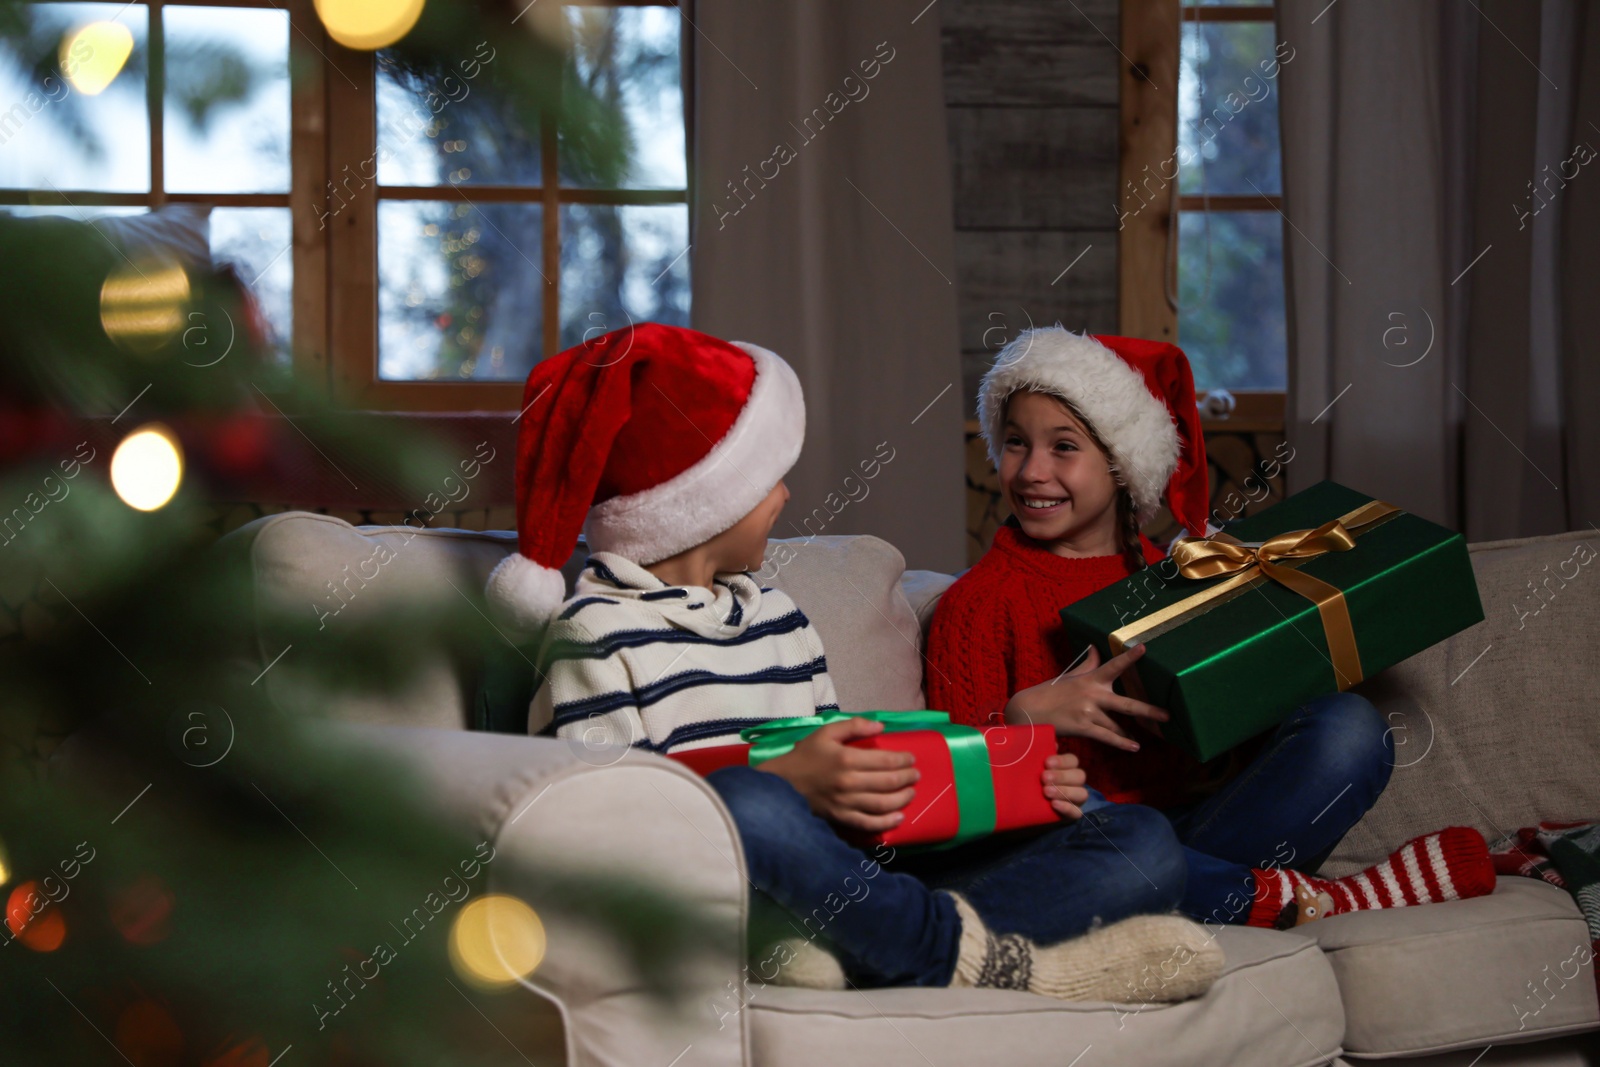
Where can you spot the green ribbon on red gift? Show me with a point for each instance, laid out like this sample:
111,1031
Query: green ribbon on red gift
969,757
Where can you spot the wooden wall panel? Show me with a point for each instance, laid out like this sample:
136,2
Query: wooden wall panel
1008,277
1031,89
981,70
1075,22
1011,278
1029,53
1034,168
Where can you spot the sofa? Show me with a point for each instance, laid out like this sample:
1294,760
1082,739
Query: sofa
1495,728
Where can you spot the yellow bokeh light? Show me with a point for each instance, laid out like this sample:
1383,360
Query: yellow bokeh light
496,940
368,24
92,57
143,305
147,467
5,868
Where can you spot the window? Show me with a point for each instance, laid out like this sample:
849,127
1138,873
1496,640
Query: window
498,237
1230,229
421,234
1200,227
150,104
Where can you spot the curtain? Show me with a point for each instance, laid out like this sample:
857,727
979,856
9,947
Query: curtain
1442,204
822,229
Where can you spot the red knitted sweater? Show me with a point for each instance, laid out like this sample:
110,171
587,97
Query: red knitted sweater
998,630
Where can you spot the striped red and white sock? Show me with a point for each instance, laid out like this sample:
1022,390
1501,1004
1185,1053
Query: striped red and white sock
1449,864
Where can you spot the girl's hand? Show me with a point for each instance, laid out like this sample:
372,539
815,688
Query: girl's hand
1064,785
859,787
1078,702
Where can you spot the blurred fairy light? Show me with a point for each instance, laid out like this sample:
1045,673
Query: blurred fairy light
144,305
5,868
33,918
496,940
147,467
92,57
368,25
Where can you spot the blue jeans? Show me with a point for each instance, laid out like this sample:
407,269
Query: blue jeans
881,912
1319,773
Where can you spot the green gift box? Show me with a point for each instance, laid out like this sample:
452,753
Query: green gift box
1242,628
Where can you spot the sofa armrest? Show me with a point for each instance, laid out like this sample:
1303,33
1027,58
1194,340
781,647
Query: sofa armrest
628,815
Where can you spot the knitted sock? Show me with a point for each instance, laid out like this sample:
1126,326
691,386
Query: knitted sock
1449,864
1141,959
805,964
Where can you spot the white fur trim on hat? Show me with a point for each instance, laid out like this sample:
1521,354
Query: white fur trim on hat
1135,425
722,487
523,593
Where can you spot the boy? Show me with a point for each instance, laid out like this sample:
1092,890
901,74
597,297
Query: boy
669,448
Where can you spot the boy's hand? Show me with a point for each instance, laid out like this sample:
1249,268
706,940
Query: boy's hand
857,787
1078,703
1064,785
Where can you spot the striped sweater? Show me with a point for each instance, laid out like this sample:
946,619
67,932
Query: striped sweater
630,659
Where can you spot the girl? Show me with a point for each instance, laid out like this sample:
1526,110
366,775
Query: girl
1087,433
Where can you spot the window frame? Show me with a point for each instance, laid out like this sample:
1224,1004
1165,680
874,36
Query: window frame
334,291
305,159
1152,37
350,86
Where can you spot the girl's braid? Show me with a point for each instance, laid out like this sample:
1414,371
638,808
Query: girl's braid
1132,550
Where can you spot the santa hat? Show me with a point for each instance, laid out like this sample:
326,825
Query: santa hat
651,440
1138,397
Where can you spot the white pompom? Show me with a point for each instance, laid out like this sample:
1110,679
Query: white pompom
523,593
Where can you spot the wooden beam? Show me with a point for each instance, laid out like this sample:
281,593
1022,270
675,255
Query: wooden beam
550,175
533,194
308,179
155,92
1229,13
1230,202
1255,411
91,198
1149,169
349,212
275,4
437,395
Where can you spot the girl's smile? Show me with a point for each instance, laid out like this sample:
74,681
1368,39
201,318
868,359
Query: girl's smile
1038,508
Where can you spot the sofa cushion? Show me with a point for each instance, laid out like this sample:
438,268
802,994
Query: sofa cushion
1463,974
1494,728
849,587
313,565
1276,1004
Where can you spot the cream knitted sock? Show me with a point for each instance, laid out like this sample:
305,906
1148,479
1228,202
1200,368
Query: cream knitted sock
805,964
1137,960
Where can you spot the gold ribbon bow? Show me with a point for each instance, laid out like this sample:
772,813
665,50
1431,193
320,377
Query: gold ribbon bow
1275,559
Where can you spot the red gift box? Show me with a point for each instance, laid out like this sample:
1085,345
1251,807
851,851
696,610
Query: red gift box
1017,757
